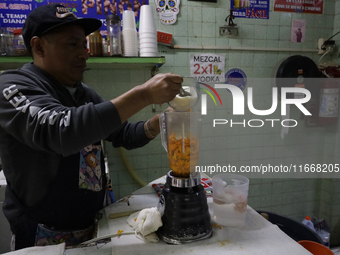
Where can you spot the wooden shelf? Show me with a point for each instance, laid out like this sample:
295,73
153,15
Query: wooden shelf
96,62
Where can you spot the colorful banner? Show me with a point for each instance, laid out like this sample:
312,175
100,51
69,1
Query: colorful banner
251,9
305,6
13,13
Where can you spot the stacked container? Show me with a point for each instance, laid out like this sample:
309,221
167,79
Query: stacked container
130,43
147,33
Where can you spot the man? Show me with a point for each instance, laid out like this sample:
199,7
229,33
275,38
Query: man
51,126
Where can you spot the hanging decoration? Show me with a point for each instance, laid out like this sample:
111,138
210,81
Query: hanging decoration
167,10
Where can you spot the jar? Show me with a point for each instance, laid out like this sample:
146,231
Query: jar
96,44
18,43
114,45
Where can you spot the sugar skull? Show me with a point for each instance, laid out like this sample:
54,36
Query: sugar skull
167,10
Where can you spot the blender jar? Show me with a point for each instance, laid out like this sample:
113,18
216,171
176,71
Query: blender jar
180,131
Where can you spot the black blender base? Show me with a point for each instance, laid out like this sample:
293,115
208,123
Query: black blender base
177,240
184,209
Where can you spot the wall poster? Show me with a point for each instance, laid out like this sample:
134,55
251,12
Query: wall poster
305,6
13,13
298,30
252,9
208,67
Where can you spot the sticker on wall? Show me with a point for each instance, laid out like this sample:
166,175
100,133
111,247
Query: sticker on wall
315,6
167,11
251,9
236,77
298,30
208,67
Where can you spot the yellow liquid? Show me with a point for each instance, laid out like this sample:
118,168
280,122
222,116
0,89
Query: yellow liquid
236,3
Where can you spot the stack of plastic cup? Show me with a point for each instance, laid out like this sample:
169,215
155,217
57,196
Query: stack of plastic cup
130,42
147,33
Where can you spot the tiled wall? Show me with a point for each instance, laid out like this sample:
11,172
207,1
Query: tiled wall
198,24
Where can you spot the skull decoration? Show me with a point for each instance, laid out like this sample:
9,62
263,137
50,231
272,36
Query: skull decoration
167,10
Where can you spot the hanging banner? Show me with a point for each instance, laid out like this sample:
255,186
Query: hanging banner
251,9
304,6
208,67
13,13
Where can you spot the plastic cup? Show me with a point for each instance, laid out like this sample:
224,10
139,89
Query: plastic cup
147,40
146,20
129,20
149,54
148,35
148,45
148,30
230,194
148,50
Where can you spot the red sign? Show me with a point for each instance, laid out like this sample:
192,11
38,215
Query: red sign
304,6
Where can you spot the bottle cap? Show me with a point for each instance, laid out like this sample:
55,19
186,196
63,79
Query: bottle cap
17,32
113,17
307,218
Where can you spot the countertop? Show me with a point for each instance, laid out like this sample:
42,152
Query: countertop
258,236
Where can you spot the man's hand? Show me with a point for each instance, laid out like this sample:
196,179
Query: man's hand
162,88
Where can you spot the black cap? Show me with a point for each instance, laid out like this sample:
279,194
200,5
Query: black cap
49,17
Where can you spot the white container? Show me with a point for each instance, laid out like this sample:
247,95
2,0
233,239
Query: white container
230,194
146,20
129,20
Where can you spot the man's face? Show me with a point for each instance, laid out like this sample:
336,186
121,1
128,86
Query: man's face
65,54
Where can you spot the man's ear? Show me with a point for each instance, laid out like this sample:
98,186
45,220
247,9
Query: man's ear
37,44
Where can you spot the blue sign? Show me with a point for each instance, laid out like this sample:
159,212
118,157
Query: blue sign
236,77
251,9
13,13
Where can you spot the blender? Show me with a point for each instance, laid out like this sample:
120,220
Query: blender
183,203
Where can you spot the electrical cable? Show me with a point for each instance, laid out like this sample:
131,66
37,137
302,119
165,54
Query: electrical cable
322,46
329,49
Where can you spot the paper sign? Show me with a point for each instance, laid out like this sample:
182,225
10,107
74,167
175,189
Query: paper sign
208,67
305,6
13,13
298,30
252,9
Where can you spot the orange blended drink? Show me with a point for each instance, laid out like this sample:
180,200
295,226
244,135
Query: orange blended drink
183,154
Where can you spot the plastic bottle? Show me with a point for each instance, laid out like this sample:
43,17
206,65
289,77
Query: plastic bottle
96,44
324,235
18,43
307,221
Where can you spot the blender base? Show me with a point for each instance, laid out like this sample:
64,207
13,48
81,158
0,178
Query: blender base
175,240
184,209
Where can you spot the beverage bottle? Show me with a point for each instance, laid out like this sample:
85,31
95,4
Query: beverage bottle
96,44
307,221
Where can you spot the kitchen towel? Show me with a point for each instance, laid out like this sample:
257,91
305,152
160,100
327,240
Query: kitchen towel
145,223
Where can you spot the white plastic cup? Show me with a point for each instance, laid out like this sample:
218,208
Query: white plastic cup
148,45
148,39
149,54
230,195
146,20
148,49
147,35
129,20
